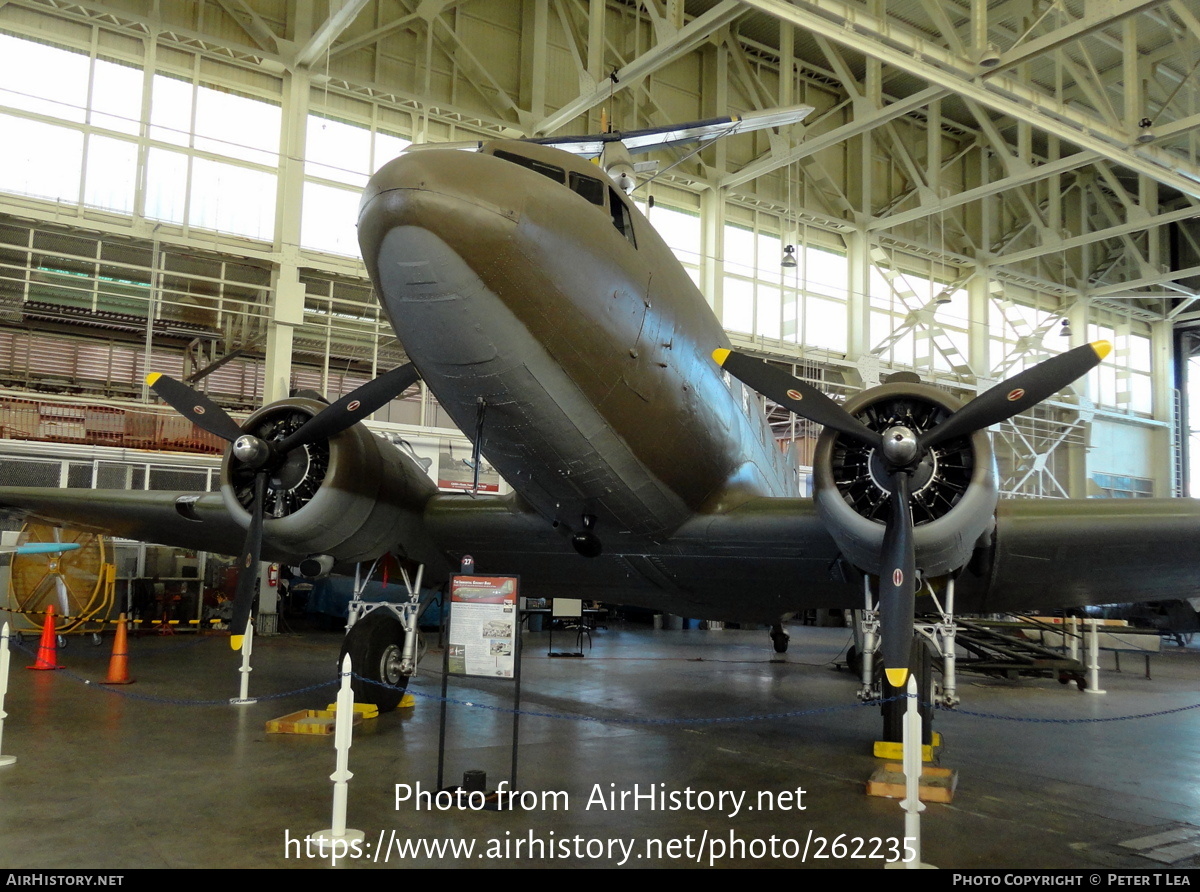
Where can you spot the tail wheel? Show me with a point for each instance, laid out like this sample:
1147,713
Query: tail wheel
376,644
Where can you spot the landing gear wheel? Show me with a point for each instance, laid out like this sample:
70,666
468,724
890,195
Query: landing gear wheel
780,638
375,644
854,661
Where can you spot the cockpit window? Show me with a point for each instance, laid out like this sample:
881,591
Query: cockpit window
620,216
547,170
589,187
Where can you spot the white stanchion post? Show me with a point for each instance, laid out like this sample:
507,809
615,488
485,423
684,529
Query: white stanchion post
912,804
5,657
243,697
338,839
1093,682
1073,649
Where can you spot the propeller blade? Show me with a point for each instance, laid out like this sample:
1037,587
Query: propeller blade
243,599
897,584
794,394
195,406
1018,393
352,408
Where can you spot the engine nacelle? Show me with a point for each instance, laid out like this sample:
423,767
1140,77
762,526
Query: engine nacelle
954,491
618,164
353,497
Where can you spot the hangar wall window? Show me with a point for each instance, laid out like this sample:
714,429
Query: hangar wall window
223,179
680,229
201,186
1123,380
805,305
38,158
1122,486
817,297
752,285
339,159
1022,332
919,312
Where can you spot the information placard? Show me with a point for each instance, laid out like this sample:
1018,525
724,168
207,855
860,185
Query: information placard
483,625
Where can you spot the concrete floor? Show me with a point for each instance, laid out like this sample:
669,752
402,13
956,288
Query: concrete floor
143,776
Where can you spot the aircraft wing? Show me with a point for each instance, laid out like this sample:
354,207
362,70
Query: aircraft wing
766,558
651,138
197,521
772,556
1071,552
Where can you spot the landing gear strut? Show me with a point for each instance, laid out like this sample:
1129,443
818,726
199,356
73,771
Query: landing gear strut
381,639
861,658
941,637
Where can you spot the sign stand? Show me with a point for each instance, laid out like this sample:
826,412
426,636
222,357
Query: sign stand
482,631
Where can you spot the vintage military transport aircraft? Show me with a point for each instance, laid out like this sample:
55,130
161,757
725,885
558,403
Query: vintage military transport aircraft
547,316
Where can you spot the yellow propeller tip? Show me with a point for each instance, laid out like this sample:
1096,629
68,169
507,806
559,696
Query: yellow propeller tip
1102,348
720,355
235,641
897,678
152,377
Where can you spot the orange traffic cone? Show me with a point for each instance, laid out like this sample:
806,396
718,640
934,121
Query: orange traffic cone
118,663
47,655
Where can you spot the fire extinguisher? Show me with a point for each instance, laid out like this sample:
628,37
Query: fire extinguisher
273,575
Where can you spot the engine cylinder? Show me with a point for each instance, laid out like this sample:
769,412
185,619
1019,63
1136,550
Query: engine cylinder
953,485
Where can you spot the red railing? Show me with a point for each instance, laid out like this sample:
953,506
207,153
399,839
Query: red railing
130,428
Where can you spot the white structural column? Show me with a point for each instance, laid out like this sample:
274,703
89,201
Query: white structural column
858,304
1167,439
287,303
712,232
978,348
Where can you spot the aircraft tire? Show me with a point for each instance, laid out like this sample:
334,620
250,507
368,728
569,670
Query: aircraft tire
779,639
854,661
374,644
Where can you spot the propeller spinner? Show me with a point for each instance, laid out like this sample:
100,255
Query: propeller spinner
265,456
903,450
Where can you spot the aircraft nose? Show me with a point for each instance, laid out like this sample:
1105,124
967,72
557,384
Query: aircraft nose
458,196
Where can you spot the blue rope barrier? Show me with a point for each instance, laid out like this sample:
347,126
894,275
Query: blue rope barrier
617,720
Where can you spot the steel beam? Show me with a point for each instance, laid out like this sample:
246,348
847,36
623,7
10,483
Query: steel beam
1100,235
811,146
686,39
1031,175
879,38
250,22
1100,14
1158,279
339,20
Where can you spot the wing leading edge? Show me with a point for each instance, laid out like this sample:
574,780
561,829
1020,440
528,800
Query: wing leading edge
185,520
